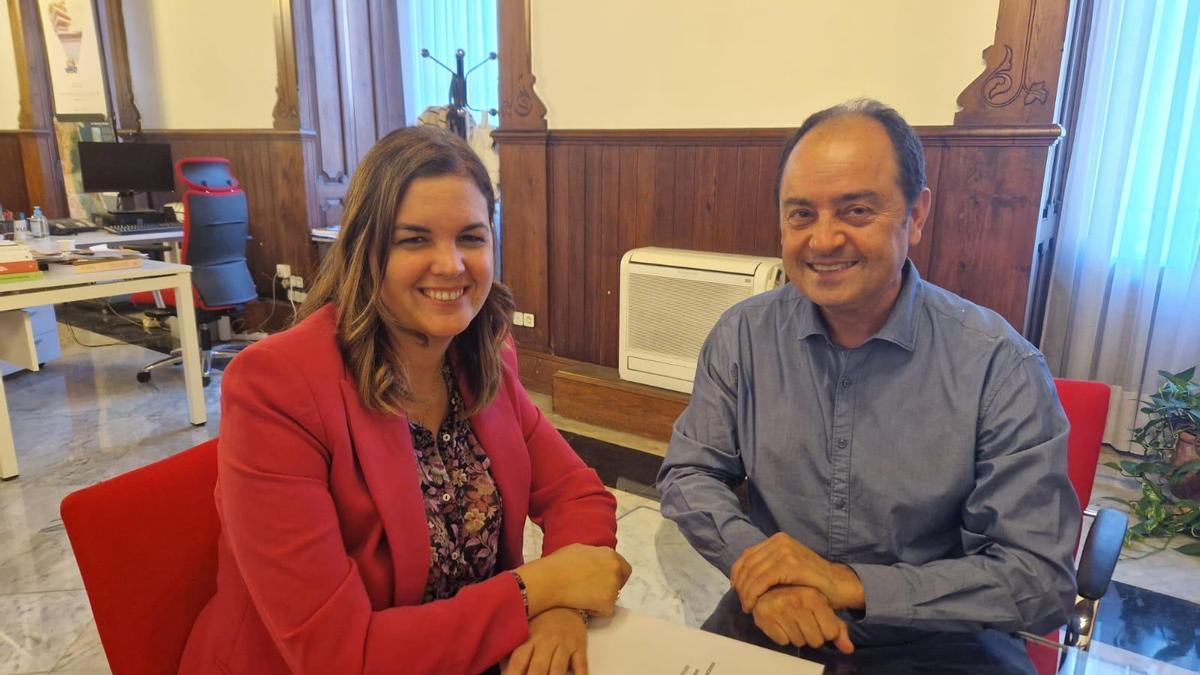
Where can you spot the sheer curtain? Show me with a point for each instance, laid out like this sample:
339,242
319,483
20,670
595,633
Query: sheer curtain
443,26
1124,300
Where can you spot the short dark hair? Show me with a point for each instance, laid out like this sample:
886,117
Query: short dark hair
910,157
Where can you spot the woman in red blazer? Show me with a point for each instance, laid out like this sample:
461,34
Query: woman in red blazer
378,460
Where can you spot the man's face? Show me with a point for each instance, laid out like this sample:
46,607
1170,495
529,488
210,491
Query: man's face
844,223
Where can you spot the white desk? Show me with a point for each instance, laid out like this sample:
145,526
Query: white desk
63,285
98,237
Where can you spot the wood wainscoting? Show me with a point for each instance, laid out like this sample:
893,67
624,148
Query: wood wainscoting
608,191
269,164
13,194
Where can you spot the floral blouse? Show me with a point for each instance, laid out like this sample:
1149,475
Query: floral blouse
462,505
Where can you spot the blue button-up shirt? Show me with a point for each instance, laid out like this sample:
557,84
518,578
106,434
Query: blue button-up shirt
932,459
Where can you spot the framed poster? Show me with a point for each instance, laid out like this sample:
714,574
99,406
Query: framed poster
73,56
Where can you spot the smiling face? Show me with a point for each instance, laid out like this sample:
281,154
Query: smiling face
844,223
439,264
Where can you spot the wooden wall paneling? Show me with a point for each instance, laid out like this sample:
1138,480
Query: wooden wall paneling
286,114
358,75
608,250
39,151
644,190
760,200
301,33
708,192
12,178
385,66
684,196
520,107
270,167
933,164
523,163
1019,84
110,19
559,167
664,194
983,249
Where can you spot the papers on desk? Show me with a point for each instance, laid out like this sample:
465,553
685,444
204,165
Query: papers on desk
97,260
329,233
629,642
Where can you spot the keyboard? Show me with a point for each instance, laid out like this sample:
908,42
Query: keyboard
70,226
142,228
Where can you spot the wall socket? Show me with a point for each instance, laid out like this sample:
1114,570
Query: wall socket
524,319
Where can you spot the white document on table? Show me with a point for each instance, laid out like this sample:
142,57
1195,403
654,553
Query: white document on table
629,643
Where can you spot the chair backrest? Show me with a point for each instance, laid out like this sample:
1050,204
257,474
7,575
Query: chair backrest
146,546
1086,406
215,229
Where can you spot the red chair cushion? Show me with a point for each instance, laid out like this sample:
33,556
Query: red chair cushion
146,546
1086,406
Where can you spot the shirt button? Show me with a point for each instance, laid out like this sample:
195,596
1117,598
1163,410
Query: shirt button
842,443
845,382
445,496
446,438
454,555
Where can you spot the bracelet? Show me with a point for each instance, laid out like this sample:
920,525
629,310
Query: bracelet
524,591
585,616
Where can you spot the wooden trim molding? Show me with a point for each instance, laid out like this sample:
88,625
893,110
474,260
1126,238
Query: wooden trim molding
39,149
240,134
942,136
520,107
286,114
110,22
1019,84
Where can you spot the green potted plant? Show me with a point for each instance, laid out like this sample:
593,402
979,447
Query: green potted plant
1170,475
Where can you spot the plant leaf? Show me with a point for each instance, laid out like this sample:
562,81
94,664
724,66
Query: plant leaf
1189,549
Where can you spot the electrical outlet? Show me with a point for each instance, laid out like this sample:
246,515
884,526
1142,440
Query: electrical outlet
528,320
297,282
283,271
296,296
518,318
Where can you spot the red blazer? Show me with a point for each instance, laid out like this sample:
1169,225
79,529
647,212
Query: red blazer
324,547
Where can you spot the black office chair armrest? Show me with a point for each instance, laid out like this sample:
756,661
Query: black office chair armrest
1100,553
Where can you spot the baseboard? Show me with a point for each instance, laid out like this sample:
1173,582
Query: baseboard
597,395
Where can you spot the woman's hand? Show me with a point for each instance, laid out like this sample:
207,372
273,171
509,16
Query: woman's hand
577,576
557,642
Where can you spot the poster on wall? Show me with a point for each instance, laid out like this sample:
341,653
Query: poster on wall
73,55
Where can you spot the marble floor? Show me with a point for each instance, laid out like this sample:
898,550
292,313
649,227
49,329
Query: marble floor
84,418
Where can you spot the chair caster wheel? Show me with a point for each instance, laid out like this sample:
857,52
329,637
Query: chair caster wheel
206,380
143,376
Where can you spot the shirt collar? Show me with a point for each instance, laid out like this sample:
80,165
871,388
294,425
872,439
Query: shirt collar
900,327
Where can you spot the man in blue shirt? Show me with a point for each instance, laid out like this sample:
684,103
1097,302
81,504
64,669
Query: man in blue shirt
903,449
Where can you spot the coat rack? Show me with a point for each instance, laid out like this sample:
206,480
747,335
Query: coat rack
456,117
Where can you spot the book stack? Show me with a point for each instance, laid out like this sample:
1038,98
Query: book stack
100,260
17,263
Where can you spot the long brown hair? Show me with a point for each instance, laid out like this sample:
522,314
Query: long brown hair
352,273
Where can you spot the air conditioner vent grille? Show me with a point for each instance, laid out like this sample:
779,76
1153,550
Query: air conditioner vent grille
672,316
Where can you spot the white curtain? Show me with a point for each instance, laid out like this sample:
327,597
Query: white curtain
442,27
1124,300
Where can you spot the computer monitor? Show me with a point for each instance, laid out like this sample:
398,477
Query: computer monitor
126,167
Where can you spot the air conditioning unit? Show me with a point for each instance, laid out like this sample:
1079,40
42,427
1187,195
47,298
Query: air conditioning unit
671,299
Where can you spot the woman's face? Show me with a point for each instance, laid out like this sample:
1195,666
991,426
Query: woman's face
439,266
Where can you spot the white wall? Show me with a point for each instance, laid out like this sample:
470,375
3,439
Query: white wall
10,93
202,65
623,64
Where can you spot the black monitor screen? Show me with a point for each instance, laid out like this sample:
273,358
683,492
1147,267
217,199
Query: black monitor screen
126,167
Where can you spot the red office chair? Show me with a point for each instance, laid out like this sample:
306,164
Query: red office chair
215,231
146,546
1086,406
